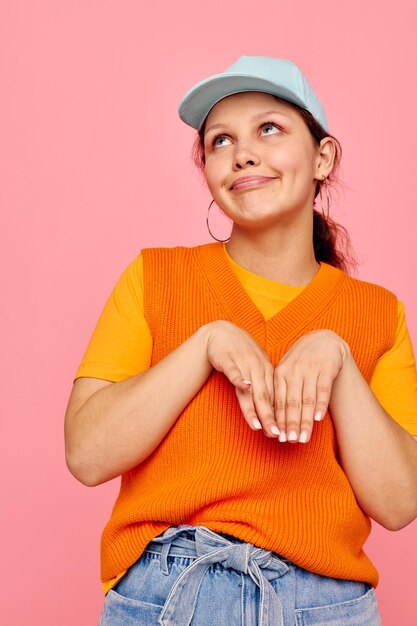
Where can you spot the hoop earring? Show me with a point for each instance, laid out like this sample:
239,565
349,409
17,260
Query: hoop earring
208,225
325,204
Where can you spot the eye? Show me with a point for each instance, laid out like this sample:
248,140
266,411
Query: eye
270,128
220,140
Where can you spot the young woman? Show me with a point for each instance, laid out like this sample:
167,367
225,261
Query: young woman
259,404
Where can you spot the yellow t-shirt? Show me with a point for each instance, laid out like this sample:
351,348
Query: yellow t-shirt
121,345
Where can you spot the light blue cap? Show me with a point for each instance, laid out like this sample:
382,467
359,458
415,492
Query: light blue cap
279,77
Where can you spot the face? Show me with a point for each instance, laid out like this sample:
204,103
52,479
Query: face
261,162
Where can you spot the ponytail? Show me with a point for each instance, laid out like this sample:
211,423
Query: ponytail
331,243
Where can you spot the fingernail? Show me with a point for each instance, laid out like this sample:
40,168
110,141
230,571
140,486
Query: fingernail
275,430
246,381
292,436
282,437
257,424
318,416
303,437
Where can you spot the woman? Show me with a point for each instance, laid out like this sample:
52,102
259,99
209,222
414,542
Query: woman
263,405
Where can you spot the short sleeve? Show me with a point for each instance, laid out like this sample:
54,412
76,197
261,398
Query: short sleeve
121,344
394,381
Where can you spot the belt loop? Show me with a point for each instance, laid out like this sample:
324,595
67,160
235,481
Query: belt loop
165,548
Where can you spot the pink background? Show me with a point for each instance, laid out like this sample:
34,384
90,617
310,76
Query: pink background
95,165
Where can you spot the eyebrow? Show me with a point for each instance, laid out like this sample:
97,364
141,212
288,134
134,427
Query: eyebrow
255,117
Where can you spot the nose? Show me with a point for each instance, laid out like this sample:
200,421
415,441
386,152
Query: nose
245,156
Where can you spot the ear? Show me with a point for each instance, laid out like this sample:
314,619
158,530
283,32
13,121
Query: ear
326,155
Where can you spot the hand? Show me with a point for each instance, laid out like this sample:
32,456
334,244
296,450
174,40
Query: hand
303,381
232,351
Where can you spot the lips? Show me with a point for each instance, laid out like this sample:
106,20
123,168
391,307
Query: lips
250,182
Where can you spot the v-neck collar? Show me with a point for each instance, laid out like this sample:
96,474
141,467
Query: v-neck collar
241,309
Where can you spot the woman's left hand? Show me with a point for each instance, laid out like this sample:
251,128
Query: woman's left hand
303,381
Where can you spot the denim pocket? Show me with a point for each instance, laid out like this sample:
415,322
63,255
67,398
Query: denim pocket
122,611
362,611
139,597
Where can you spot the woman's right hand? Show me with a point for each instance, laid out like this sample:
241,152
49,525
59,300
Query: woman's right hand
232,351
112,427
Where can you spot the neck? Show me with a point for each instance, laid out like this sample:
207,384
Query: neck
284,255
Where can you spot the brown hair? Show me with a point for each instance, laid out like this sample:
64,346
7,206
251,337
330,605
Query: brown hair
331,240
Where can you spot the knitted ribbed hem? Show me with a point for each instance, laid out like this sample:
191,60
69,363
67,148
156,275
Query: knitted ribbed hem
128,546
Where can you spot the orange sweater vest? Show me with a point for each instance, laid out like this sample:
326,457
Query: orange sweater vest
212,469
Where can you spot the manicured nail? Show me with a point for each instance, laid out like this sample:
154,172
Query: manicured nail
257,424
246,381
303,437
274,430
318,416
292,436
282,437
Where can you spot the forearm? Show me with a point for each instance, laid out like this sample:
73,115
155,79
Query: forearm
378,456
120,425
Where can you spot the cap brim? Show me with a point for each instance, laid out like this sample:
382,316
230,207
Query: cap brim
198,102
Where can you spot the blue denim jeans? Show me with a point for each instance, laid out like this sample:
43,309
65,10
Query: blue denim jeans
191,576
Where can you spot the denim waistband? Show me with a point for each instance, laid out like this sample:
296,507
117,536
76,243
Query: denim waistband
209,547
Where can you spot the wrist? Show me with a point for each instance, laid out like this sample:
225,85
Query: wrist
203,336
347,382
345,351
